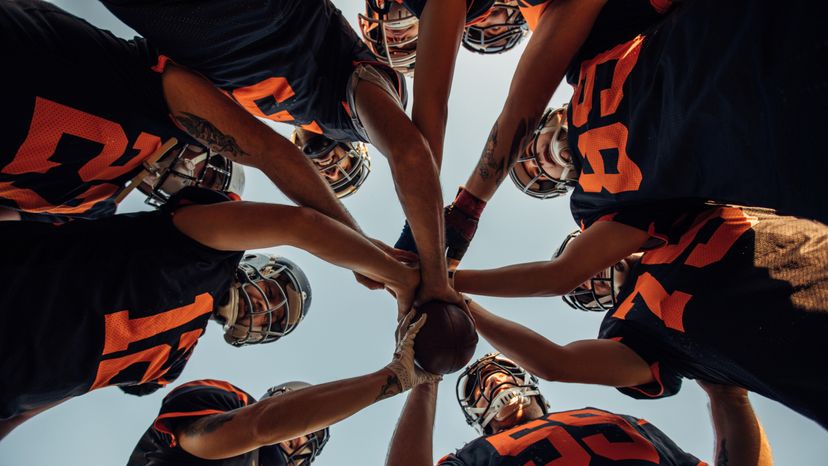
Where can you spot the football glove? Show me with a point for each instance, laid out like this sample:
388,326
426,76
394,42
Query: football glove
402,365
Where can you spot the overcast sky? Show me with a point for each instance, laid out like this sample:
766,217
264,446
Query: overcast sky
349,330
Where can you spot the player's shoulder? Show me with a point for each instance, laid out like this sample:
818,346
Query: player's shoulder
210,393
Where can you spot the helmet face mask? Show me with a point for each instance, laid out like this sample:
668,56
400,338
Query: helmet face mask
481,403
275,294
345,166
190,166
390,30
502,30
532,173
602,292
305,454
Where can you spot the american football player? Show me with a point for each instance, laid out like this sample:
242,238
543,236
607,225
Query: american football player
136,291
214,422
390,31
724,294
344,165
500,30
504,404
640,136
299,62
78,139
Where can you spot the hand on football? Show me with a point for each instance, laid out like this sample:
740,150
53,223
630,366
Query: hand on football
402,365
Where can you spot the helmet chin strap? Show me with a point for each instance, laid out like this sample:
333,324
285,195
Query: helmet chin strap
505,398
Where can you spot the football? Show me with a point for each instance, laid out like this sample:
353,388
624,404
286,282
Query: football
447,340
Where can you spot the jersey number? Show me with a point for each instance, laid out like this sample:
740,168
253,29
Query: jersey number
601,144
52,121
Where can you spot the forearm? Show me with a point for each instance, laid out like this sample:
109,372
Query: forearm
411,444
239,226
740,439
441,27
533,279
285,417
562,28
223,126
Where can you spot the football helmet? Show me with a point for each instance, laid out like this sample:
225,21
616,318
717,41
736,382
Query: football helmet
344,165
190,165
275,455
390,30
267,300
531,173
500,30
603,287
481,404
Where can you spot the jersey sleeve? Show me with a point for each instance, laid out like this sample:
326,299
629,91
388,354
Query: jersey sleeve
195,400
666,381
451,460
669,451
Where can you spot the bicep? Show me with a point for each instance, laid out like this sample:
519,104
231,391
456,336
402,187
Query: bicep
604,362
217,436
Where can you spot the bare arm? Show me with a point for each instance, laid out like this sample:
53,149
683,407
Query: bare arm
411,444
740,439
561,31
238,226
601,362
600,246
416,179
284,417
9,214
441,27
219,123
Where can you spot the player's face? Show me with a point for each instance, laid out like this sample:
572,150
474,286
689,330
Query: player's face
270,297
543,146
403,39
334,164
514,413
494,24
297,446
601,286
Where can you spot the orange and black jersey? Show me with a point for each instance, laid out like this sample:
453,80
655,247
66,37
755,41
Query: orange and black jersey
475,9
84,110
185,404
282,60
716,101
736,296
588,437
116,301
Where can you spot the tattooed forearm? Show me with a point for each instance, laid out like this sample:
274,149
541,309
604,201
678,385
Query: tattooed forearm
391,388
209,135
208,424
721,458
523,133
487,161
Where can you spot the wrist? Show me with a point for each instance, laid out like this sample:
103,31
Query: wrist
467,202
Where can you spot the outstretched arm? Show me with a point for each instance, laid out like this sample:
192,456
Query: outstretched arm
602,245
239,226
601,362
561,31
441,27
222,125
416,179
411,444
740,439
301,412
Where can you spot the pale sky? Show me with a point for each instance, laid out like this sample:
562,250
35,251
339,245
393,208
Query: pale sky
349,330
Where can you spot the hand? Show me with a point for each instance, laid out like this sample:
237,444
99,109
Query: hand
402,365
405,290
461,218
367,282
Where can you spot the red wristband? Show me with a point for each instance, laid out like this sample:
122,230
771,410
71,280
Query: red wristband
469,203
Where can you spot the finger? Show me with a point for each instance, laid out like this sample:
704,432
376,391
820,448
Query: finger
416,326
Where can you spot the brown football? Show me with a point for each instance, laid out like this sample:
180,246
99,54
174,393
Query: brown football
448,339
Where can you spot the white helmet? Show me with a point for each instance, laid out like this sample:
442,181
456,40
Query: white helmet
384,18
529,174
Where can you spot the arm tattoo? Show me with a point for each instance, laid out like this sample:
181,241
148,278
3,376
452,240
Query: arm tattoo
391,388
489,166
208,424
207,133
487,161
721,458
